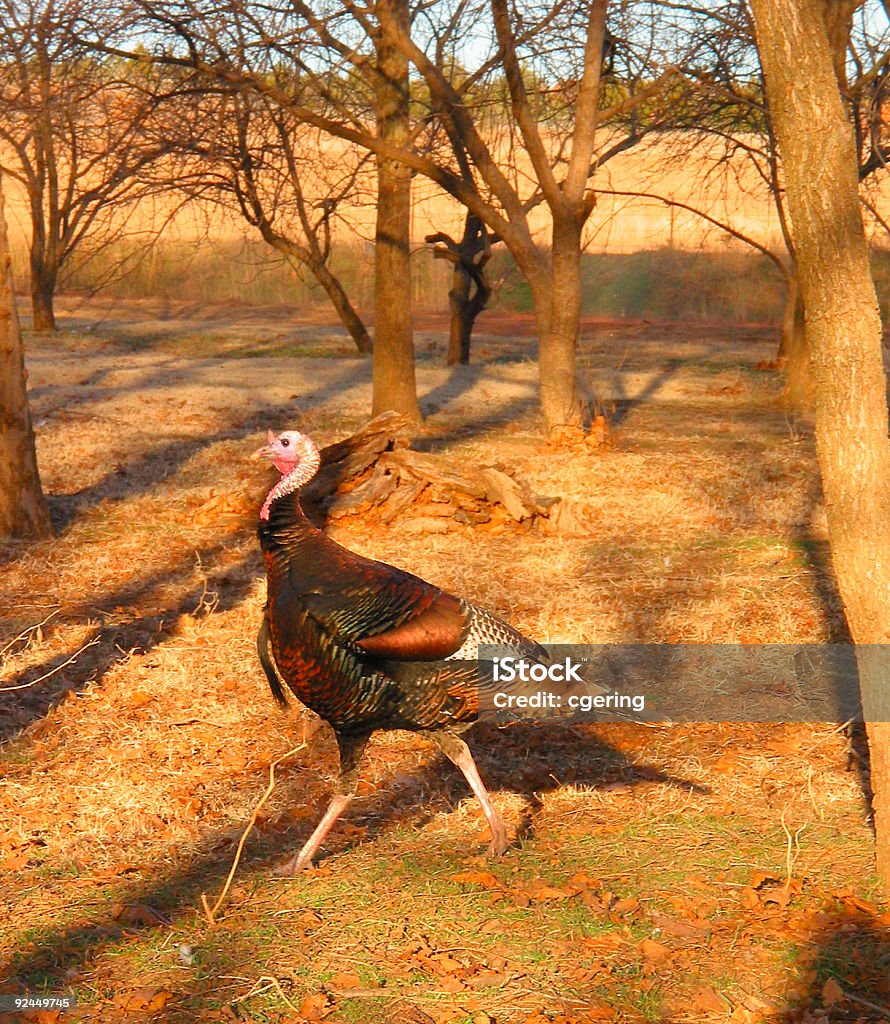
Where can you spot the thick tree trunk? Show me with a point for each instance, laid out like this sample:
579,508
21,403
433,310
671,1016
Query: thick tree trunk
844,338
23,510
461,330
793,349
558,327
394,382
43,287
345,309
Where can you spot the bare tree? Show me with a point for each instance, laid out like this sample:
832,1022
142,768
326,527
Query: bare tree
282,176
77,134
534,146
735,129
470,287
844,339
23,510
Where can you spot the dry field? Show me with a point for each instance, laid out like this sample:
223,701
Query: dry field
691,873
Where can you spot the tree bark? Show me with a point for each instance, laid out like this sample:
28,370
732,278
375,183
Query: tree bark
42,305
344,308
394,385
844,337
461,328
23,510
469,257
793,348
558,328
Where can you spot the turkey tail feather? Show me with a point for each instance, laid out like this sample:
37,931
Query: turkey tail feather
263,646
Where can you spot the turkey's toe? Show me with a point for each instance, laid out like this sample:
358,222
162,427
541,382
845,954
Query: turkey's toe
291,867
498,845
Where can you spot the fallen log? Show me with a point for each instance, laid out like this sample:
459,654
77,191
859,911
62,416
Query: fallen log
374,475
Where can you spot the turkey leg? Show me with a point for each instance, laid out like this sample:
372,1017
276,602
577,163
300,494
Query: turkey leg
454,748
351,750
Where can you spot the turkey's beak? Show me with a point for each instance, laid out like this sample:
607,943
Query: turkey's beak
266,452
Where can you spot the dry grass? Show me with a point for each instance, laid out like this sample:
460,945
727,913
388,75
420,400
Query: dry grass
129,773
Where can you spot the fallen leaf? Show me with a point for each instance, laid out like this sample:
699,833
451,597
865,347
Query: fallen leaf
540,891
625,906
316,1006
483,878
653,950
345,981
832,993
760,878
138,915
682,929
749,898
705,999
144,1000
15,862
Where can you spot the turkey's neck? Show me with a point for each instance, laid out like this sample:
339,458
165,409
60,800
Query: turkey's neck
283,525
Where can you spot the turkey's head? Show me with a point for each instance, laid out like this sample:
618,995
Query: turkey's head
295,456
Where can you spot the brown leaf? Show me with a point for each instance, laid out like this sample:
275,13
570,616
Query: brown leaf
316,1006
144,1000
760,878
832,993
682,929
749,898
540,891
484,878
625,906
344,980
138,915
781,897
451,984
653,950
446,964
14,862
705,999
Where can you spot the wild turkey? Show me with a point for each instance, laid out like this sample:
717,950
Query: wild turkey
365,645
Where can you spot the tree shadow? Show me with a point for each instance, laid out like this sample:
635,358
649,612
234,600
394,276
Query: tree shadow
514,758
108,645
843,970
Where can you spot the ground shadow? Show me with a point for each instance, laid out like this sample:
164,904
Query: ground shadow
514,758
111,643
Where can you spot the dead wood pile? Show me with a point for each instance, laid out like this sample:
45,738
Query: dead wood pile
376,475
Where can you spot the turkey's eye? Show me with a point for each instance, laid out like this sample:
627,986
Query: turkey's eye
285,442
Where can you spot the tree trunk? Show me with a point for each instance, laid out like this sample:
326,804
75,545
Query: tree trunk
844,337
43,287
558,327
461,330
394,383
793,349
345,309
23,510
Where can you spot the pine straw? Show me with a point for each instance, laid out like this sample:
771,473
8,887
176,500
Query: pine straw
139,764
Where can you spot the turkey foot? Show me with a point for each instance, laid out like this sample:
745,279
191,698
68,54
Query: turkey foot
454,748
499,842
303,859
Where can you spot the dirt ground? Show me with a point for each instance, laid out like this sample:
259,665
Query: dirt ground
686,873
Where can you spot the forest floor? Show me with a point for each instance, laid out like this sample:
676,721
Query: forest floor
688,873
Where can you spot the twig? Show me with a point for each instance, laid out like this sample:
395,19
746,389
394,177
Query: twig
210,913
25,632
270,983
52,672
827,736
792,849
865,1002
